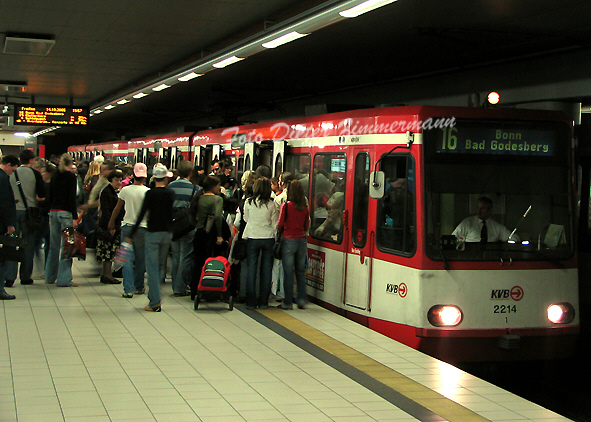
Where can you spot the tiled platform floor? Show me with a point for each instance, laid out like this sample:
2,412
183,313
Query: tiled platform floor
87,354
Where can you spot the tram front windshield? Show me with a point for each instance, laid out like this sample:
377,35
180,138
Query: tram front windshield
522,167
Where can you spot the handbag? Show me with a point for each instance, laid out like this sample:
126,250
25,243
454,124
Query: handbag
74,244
34,219
277,247
12,248
183,221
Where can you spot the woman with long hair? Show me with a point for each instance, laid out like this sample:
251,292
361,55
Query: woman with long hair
294,220
62,214
92,175
260,215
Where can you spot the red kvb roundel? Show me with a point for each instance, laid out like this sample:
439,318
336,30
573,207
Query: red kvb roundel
517,293
402,290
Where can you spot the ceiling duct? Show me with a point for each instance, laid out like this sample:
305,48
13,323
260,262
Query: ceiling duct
28,45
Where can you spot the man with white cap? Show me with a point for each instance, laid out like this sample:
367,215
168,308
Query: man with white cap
132,197
158,204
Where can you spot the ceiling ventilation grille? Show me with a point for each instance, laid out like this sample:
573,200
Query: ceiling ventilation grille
37,45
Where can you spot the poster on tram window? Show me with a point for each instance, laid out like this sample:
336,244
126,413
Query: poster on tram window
316,269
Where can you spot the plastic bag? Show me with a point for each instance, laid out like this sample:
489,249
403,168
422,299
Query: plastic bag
74,244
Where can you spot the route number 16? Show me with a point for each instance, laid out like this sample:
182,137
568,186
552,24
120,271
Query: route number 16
450,141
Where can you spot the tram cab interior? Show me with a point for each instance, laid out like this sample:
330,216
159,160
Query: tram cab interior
534,199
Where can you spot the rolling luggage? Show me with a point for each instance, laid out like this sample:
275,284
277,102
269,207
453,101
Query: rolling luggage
215,276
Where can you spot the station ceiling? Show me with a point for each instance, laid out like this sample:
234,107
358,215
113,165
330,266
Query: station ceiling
105,49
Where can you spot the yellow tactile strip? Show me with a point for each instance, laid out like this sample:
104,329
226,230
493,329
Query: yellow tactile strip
418,393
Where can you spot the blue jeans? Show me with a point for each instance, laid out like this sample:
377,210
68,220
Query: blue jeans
22,230
157,245
57,269
253,248
182,262
293,255
135,267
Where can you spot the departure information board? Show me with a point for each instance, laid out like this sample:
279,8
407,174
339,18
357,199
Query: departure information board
42,115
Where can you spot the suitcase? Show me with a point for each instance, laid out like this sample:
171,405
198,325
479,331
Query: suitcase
215,276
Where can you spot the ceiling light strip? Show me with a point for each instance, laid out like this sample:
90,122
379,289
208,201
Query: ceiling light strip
290,30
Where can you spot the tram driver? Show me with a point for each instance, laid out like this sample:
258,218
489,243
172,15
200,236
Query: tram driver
480,227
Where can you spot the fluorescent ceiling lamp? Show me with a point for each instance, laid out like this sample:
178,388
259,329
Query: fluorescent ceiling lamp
98,111
140,95
109,107
123,101
160,87
22,134
284,39
189,76
364,7
228,62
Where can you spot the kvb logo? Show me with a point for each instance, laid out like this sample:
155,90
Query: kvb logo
516,293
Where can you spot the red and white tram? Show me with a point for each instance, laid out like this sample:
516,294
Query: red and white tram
388,186
166,149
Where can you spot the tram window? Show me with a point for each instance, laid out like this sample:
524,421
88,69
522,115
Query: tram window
396,227
360,200
328,199
299,166
278,165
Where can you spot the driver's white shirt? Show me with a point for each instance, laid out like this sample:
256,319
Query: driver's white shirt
471,227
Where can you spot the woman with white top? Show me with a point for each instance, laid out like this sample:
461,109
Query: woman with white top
260,215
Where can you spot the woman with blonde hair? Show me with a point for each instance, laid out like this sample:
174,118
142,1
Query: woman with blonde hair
62,214
92,175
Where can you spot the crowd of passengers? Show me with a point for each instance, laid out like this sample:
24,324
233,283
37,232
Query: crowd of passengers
133,206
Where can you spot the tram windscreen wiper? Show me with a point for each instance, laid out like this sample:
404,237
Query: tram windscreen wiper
519,224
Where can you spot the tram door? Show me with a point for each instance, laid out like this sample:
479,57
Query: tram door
359,242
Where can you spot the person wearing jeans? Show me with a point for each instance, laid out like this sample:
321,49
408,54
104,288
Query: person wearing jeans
260,214
294,220
158,204
62,214
157,246
132,198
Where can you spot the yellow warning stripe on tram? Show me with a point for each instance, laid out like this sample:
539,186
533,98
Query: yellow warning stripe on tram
413,390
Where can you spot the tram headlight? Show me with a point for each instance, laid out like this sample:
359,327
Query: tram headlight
561,313
445,315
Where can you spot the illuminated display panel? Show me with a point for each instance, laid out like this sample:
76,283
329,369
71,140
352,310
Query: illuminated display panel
42,115
498,139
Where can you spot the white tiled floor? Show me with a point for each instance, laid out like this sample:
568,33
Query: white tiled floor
87,354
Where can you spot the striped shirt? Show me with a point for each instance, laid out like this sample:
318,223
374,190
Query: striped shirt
183,190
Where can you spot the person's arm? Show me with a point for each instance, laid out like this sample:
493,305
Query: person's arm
307,220
281,223
274,216
39,186
218,215
115,214
72,205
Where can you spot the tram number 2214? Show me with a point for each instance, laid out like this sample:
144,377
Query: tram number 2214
505,309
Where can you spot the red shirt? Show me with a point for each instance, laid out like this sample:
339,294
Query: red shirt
297,223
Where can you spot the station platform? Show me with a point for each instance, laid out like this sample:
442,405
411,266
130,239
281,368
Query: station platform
87,354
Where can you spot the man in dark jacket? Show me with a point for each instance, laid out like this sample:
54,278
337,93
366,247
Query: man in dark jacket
8,165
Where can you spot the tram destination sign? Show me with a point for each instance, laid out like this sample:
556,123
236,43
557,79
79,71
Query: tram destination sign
489,139
44,115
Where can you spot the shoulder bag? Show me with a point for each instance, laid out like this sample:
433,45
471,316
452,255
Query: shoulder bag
12,248
183,221
34,219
